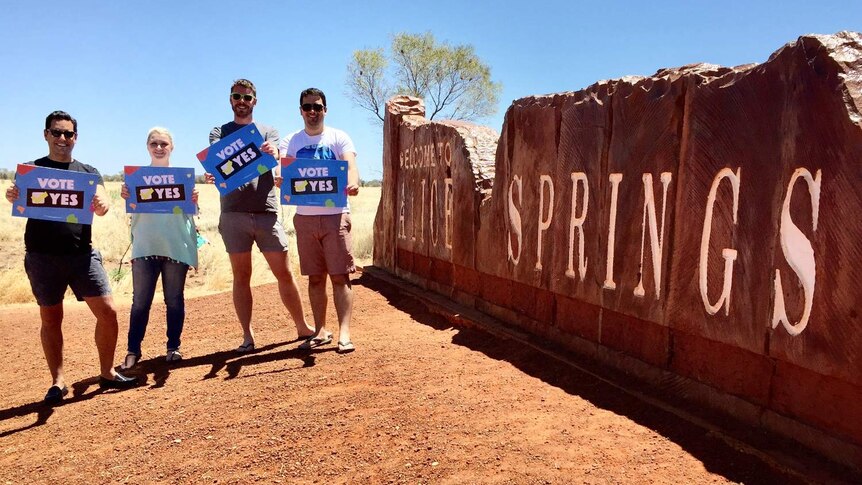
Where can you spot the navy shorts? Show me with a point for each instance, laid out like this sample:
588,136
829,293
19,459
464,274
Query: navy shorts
51,274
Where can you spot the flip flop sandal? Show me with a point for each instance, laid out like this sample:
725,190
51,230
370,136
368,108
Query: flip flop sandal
316,342
245,348
345,347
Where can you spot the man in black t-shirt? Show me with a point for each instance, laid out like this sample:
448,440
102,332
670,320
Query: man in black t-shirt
59,255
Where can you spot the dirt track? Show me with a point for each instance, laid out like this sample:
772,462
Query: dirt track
418,402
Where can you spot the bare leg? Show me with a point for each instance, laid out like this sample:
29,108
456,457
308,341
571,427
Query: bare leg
51,335
280,265
106,332
240,264
342,295
317,297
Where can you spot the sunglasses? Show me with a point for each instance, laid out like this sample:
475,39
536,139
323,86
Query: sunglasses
58,133
245,97
313,107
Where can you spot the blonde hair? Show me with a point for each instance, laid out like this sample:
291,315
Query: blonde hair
158,130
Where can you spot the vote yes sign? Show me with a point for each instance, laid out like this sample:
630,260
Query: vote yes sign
160,190
236,159
54,195
314,182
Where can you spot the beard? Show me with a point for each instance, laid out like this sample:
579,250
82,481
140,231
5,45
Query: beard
242,110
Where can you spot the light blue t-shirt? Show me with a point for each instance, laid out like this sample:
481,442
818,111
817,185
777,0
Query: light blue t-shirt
169,235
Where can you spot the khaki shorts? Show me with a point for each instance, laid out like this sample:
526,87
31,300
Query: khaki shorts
240,229
324,244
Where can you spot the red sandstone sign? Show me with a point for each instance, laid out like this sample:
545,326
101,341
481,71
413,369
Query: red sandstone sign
703,221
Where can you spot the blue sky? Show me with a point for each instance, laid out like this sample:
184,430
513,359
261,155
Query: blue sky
122,67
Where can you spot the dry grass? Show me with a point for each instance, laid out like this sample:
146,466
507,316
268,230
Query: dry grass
14,286
111,237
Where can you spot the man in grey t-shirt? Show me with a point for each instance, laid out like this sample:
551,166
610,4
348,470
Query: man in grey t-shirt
249,214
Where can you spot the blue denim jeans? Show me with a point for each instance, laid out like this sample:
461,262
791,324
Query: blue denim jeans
145,274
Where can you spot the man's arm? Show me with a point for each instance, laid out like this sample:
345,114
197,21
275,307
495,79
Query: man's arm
352,174
348,153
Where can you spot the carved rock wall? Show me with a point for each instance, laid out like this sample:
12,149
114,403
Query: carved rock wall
703,221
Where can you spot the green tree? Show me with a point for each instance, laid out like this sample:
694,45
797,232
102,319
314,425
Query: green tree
452,80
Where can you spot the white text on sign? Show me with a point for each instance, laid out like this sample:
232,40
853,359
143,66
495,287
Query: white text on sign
236,156
69,199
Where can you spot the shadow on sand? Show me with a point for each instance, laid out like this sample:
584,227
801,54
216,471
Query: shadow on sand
160,370
717,447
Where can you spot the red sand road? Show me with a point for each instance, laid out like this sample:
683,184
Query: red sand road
419,401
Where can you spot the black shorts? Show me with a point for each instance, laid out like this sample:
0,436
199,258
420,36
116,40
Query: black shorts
51,274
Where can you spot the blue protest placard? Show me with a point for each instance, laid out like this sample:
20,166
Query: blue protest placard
160,190
236,159
54,195
314,182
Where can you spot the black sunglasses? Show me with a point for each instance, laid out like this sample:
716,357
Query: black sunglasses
58,133
316,107
245,97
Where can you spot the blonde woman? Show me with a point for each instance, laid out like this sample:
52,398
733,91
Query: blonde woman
162,244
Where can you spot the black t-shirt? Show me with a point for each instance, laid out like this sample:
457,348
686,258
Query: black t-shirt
59,237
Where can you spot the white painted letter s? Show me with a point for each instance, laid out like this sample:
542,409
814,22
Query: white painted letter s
798,252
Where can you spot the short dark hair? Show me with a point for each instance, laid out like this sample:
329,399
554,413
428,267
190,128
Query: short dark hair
61,115
244,83
313,92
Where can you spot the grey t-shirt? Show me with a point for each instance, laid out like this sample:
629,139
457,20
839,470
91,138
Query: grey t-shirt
259,195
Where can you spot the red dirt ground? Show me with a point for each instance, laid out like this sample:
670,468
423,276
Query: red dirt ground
419,401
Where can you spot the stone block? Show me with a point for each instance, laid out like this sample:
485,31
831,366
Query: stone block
467,280
577,317
824,401
497,290
733,370
533,302
644,340
404,260
442,272
422,266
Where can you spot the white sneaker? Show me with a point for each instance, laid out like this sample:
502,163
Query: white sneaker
174,355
